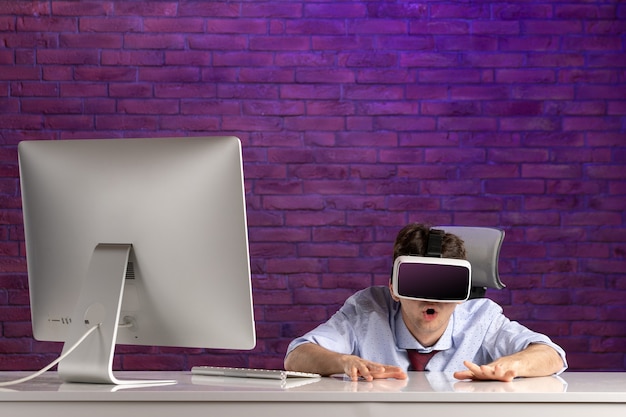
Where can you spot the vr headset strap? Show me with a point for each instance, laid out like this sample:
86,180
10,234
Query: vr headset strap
435,242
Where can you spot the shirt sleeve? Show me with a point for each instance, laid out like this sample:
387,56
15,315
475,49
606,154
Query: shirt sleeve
505,337
337,334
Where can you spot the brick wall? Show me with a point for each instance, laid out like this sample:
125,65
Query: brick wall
356,118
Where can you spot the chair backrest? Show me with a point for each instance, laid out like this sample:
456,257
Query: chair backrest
483,250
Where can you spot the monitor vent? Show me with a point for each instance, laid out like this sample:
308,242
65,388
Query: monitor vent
130,271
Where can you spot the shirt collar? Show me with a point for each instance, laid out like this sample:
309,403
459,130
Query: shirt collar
405,340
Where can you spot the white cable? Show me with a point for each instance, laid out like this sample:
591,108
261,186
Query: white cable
59,359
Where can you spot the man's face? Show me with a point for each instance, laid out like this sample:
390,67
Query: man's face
426,320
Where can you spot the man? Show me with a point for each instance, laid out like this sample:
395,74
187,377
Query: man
375,333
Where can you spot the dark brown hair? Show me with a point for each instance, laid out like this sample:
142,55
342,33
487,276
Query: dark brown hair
413,240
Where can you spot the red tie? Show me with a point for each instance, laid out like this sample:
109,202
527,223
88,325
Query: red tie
419,360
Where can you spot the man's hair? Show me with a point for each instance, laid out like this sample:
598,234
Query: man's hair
413,240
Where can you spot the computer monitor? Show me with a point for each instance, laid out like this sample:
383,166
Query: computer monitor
145,238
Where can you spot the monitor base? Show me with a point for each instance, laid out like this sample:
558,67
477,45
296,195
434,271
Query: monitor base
99,304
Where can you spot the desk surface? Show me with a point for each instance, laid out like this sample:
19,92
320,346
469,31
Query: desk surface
570,387
572,394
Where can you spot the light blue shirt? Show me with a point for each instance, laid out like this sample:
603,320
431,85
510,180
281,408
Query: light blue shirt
370,325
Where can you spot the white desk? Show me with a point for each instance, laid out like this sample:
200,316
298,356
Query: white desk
574,394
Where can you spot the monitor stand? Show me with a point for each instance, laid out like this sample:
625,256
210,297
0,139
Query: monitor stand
99,303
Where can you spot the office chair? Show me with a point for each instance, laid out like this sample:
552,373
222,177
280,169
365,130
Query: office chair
483,249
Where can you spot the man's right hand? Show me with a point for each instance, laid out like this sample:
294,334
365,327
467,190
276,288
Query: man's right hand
311,357
355,367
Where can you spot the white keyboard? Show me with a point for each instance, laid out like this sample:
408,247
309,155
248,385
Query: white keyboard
250,372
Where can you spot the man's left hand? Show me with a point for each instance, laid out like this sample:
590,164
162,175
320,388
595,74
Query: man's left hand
492,372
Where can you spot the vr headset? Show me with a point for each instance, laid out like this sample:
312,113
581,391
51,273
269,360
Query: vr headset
431,277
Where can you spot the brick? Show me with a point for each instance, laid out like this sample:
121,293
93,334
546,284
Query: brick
496,186
498,60
556,59
179,25
525,76
202,9
169,74
46,24
605,27
83,90
460,76
481,92
326,187
578,11
594,328
532,92
357,92
572,187
51,105
612,344
274,11
111,24
314,27
314,123
266,76
398,10
341,43
88,40
606,59
328,10
330,107
466,123
333,297
543,297
154,41
186,58
65,122
154,106
606,172
606,267
325,76
19,73
247,91
18,122
367,60
278,43
127,122
132,57
367,139
304,59
192,123
369,171
551,171
589,43
467,43
86,8
490,27
105,74
591,123
328,250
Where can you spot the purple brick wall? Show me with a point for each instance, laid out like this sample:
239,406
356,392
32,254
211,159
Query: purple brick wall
356,118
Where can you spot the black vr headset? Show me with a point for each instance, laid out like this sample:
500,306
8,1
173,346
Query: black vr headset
431,277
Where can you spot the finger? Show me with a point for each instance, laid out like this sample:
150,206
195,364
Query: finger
475,369
488,369
463,375
395,372
390,372
353,373
371,370
479,372
364,372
